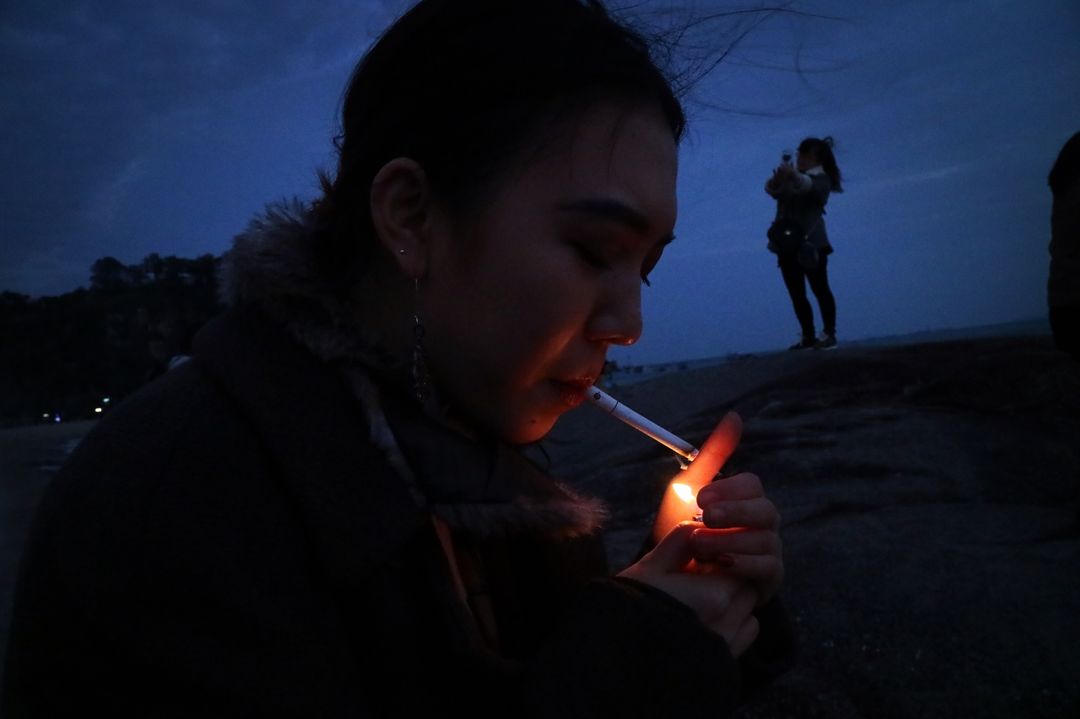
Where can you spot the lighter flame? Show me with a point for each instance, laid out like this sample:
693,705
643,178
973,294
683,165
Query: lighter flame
683,491
678,505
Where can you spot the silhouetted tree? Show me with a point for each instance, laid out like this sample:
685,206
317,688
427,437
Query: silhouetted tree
109,275
65,353
153,267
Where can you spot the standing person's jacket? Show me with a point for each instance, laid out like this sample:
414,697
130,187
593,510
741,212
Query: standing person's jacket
803,199
253,536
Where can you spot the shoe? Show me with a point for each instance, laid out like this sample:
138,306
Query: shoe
805,343
827,342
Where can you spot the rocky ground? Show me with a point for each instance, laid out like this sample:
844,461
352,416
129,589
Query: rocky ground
931,504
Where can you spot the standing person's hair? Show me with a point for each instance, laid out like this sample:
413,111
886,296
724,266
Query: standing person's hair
822,149
463,87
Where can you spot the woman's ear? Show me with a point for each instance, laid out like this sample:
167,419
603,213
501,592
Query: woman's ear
401,214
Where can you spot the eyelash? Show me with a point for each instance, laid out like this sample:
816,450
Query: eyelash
597,262
653,259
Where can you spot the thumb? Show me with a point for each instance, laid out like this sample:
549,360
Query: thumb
672,553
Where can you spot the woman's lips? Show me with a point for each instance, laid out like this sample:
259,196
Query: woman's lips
572,392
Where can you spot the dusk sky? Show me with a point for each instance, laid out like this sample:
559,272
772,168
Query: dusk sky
139,127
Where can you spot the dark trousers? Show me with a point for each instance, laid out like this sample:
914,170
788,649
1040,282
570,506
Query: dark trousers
795,278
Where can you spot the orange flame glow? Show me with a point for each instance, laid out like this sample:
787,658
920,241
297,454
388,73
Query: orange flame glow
678,505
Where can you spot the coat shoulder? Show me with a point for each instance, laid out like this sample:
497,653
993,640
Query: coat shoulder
178,424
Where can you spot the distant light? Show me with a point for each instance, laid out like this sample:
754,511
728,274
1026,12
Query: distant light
105,401
97,410
46,415
56,419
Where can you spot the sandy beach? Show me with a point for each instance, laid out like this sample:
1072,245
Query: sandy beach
931,521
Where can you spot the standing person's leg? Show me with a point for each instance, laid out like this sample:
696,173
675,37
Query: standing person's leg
796,286
819,284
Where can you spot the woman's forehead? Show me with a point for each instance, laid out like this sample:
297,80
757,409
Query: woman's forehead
611,153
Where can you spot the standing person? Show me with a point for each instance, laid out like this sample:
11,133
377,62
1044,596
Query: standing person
326,510
1063,285
801,192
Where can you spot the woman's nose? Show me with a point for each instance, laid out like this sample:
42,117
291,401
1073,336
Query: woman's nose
617,319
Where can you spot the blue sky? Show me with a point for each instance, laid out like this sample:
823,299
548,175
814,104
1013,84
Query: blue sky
138,127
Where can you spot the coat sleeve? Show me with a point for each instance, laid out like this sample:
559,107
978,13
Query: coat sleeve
628,649
774,652
152,587
816,186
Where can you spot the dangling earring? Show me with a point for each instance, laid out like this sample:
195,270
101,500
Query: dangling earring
420,376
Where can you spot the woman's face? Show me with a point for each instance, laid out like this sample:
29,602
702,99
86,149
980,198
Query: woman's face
805,159
521,307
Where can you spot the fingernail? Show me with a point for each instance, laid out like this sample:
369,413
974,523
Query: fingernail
724,560
714,515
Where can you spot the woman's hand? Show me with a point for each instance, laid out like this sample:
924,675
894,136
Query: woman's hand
781,177
741,532
722,601
740,535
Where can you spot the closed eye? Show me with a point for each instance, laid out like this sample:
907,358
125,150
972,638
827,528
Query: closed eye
591,257
653,258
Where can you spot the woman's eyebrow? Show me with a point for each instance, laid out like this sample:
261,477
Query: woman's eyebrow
608,209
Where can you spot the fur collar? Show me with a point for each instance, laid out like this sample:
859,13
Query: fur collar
271,267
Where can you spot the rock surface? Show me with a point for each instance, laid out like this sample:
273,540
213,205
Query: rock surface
931,516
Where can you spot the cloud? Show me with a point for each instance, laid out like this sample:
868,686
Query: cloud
108,200
918,177
85,86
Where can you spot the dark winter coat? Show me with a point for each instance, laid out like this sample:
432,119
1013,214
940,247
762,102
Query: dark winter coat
236,540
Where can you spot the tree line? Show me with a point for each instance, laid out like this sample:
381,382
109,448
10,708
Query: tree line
72,356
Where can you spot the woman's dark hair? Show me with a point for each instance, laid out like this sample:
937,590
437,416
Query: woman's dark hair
822,149
1066,169
462,87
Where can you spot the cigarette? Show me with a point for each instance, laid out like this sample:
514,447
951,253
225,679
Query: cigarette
617,409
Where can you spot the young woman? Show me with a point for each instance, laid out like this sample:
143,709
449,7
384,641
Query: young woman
325,511
801,193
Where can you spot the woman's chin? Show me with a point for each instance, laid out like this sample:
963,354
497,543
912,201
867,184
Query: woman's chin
527,420
529,430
